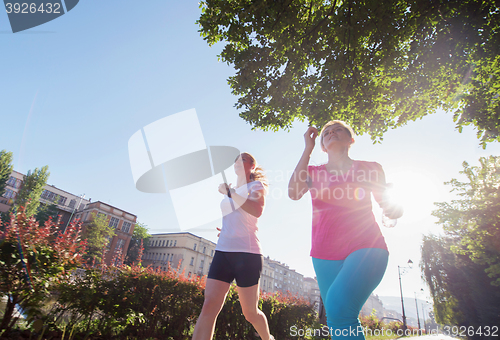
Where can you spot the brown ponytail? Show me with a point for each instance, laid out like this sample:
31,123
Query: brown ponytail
257,173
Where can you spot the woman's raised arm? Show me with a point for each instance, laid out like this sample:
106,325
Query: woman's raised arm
297,186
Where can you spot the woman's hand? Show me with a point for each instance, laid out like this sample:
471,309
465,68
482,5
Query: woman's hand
224,188
393,210
310,137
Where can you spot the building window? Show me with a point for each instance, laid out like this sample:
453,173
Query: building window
192,262
163,244
194,247
113,222
72,203
62,200
120,244
201,264
212,253
11,181
175,243
48,195
14,182
9,193
126,227
204,250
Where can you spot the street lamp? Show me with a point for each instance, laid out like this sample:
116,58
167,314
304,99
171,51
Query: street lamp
416,305
403,270
423,315
74,209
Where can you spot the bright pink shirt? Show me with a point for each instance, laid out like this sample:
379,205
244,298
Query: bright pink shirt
343,220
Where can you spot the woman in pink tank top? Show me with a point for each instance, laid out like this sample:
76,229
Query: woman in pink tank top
348,250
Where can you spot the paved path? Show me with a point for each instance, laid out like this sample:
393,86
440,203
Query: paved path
434,337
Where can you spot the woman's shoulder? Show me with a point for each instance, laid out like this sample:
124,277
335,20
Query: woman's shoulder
255,185
367,165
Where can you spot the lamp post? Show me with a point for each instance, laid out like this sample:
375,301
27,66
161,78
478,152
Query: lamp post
423,315
74,209
416,306
403,269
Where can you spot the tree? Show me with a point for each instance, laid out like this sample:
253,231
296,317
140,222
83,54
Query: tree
376,65
98,233
6,168
141,233
460,288
473,220
31,190
46,211
33,258
462,267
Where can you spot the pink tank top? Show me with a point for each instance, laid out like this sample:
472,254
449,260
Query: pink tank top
343,221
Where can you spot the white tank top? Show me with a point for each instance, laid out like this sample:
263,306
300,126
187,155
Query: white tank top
239,228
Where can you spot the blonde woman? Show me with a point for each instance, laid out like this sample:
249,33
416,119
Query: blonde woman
348,250
238,255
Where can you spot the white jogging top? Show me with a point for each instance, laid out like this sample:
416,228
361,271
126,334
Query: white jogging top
239,228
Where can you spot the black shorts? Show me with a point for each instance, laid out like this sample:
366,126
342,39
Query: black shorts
244,267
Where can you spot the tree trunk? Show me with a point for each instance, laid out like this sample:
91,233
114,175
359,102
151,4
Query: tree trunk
6,324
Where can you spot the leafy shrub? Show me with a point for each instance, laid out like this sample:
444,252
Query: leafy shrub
33,258
38,268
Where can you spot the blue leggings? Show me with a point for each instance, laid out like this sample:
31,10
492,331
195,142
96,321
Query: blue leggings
345,286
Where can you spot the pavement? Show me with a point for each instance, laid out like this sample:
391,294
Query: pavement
435,337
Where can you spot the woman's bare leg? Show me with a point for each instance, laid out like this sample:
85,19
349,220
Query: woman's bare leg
249,300
215,294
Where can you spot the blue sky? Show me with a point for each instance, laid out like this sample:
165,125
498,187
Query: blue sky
74,90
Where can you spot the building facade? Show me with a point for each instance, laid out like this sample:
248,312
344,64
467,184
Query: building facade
12,187
183,252
67,203
311,292
285,279
121,221
71,207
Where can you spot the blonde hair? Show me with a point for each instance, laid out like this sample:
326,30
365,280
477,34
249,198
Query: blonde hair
340,122
257,173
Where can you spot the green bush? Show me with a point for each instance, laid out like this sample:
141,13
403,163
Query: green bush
38,271
130,301
142,303
33,259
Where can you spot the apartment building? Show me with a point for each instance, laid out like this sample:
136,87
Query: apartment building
12,188
71,207
286,279
181,251
67,203
311,292
120,220
267,283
